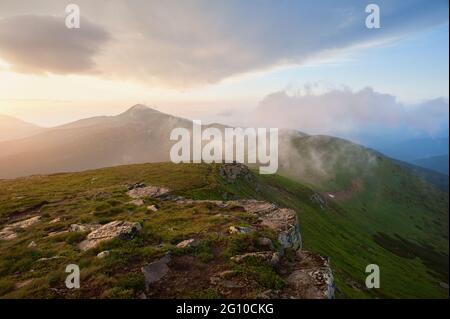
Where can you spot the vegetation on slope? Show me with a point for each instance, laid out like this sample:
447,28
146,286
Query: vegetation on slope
353,232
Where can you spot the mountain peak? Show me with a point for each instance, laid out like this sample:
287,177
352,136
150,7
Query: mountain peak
138,109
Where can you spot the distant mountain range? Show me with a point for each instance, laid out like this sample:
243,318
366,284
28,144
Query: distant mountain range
436,163
141,135
12,128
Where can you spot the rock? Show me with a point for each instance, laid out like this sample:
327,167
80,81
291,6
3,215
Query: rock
443,285
284,221
148,191
115,229
84,227
231,171
186,243
156,270
272,258
32,244
26,223
103,254
311,278
254,206
268,294
266,242
54,221
8,233
226,274
136,185
153,208
137,202
239,230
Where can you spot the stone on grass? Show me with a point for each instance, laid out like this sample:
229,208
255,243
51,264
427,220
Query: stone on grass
115,229
186,243
103,254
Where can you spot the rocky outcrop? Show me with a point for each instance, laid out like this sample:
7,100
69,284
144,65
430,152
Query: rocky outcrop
311,278
308,275
283,220
232,171
115,229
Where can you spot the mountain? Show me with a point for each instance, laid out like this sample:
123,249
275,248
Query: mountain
414,149
12,128
436,163
390,218
138,135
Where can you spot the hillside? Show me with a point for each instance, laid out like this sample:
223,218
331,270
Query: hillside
12,128
138,135
396,221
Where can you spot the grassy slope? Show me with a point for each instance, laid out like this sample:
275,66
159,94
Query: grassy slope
390,206
338,231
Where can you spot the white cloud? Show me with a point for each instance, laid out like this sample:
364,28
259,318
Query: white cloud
187,43
343,112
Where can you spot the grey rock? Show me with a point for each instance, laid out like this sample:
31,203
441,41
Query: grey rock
156,270
115,229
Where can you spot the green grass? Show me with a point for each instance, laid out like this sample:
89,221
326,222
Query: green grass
392,202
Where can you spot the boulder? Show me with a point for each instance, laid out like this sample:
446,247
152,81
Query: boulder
266,242
156,270
115,229
232,171
148,191
311,278
284,221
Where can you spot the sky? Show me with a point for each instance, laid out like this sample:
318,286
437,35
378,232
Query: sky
234,62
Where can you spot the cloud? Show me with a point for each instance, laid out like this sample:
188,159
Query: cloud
42,43
343,112
189,43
